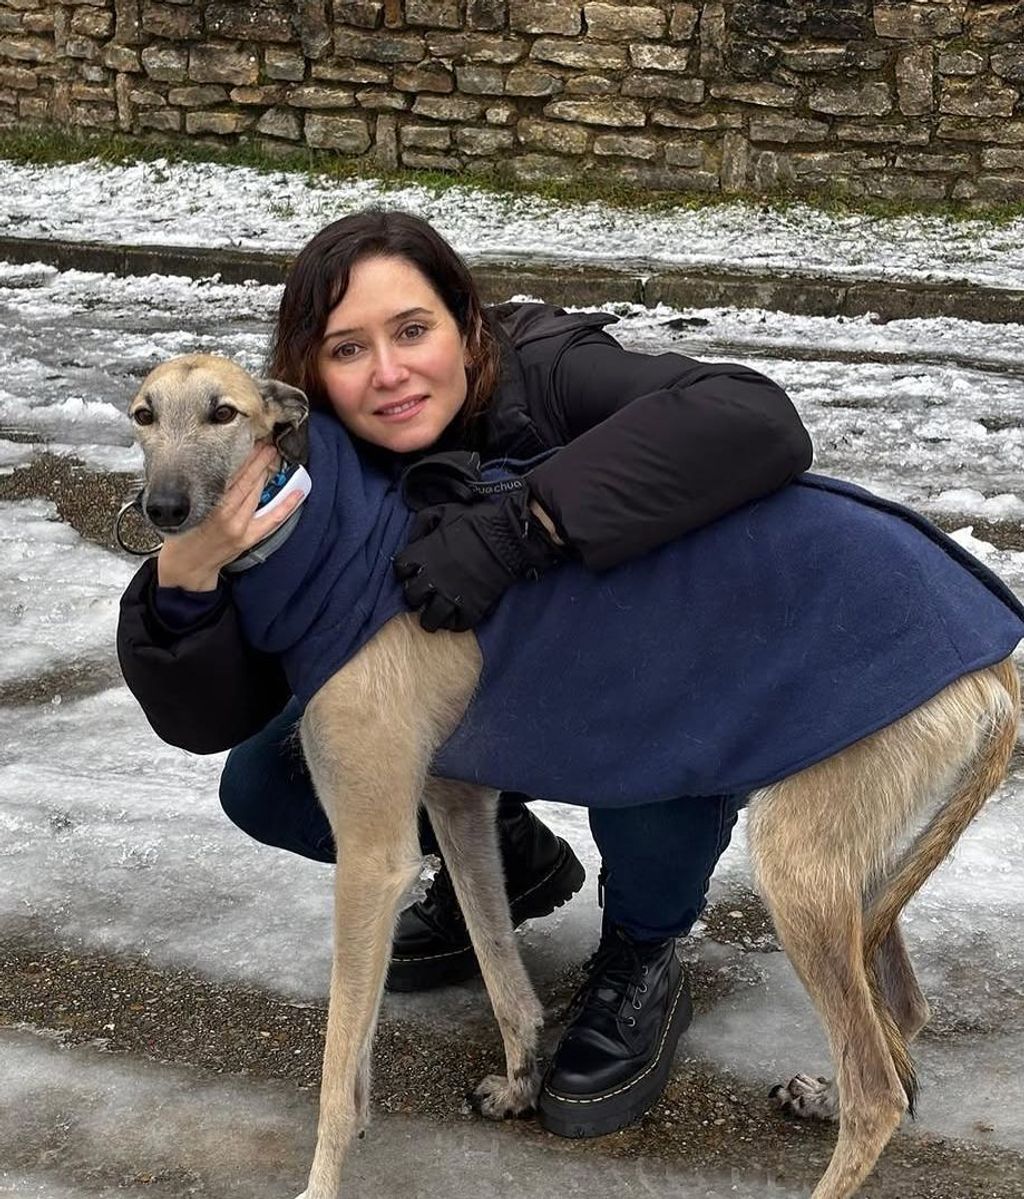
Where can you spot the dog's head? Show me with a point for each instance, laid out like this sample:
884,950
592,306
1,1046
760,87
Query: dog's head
196,419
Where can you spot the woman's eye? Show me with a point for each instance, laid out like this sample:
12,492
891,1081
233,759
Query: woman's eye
143,416
413,331
223,415
347,349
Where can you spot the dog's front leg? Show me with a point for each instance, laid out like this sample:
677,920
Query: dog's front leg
370,789
464,821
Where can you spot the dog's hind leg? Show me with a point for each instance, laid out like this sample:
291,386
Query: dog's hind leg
463,818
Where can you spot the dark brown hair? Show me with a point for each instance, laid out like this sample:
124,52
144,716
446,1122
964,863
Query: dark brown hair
319,278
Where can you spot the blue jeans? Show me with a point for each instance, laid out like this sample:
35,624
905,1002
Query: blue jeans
657,858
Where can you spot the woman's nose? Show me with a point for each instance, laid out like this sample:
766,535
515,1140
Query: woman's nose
388,368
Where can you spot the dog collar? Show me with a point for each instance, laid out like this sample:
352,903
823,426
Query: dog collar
291,478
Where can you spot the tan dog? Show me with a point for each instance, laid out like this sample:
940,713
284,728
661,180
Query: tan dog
835,847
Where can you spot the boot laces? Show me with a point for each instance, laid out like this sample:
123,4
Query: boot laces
440,906
615,973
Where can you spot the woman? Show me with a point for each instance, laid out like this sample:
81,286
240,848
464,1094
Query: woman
380,323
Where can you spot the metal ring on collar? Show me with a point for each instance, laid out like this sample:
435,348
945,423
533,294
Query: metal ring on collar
136,503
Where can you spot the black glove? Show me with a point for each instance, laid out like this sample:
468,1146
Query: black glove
461,558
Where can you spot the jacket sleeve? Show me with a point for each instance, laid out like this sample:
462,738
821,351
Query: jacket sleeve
658,445
203,689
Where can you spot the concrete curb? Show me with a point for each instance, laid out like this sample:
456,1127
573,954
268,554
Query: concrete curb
562,283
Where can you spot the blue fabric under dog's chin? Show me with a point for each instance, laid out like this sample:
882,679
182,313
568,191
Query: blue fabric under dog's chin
717,664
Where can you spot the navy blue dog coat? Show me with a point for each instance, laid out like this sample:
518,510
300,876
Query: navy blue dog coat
719,663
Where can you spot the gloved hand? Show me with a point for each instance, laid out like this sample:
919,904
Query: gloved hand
461,558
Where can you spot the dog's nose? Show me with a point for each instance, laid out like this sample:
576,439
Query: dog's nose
167,509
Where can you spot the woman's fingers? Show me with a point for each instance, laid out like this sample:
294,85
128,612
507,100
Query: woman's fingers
243,492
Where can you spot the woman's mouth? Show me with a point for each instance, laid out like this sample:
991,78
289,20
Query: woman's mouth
401,409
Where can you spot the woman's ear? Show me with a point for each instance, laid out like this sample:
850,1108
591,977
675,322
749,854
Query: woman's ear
288,409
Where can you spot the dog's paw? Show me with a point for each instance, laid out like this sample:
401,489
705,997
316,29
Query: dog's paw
497,1098
809,1098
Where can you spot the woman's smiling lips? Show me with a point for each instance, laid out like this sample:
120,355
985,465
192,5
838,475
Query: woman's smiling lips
401,409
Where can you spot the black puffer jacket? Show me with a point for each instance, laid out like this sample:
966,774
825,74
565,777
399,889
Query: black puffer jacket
652,446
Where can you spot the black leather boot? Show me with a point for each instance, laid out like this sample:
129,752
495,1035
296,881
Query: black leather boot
432,946
615,1056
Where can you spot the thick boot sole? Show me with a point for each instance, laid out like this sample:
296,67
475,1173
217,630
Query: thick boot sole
597,1115
557,887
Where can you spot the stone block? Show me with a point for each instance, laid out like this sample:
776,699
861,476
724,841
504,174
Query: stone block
433,13
543,168
92,22
920,22
545,16
280,122
94,116
684,154
262,95
617,21
350,72
735,165
712,39
32,108
1003,160
765,95
787,129
314,29
486,14
964,62
995,23
900,186
867,99
430,77
17,79
82,47
26,49
11,23
219,64
426,137
385,142
121,58
347,134
590,85
527,81
668,178
167,121
146,97
476,47
93,72
365,14
165,63
683,23
589,56
915,80
658,58
1008,63
171,21
380,47
1009,133
484,141
312,95
672,119
382,101
279,63
92,92
875,134
664,87
223,124
816,58
418,161
480,80
977,98
249,22
447,108
620,146
549,135
128,23
956,163
501,114
196,97
616,113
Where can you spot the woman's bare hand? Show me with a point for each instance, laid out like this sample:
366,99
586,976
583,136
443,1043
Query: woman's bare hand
193,560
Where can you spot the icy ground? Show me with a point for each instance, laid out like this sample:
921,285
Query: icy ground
205,204
111,840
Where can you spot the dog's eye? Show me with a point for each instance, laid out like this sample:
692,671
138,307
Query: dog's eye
143,416
223,414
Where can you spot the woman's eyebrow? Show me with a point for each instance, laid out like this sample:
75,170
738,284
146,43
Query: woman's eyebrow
392,320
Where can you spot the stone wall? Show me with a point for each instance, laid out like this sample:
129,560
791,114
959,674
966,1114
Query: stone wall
917,100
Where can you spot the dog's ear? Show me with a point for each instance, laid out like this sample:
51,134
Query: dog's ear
289,410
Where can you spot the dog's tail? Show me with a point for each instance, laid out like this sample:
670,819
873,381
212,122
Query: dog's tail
1001,700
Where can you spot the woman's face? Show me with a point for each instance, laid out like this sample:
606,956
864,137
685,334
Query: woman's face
392,359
